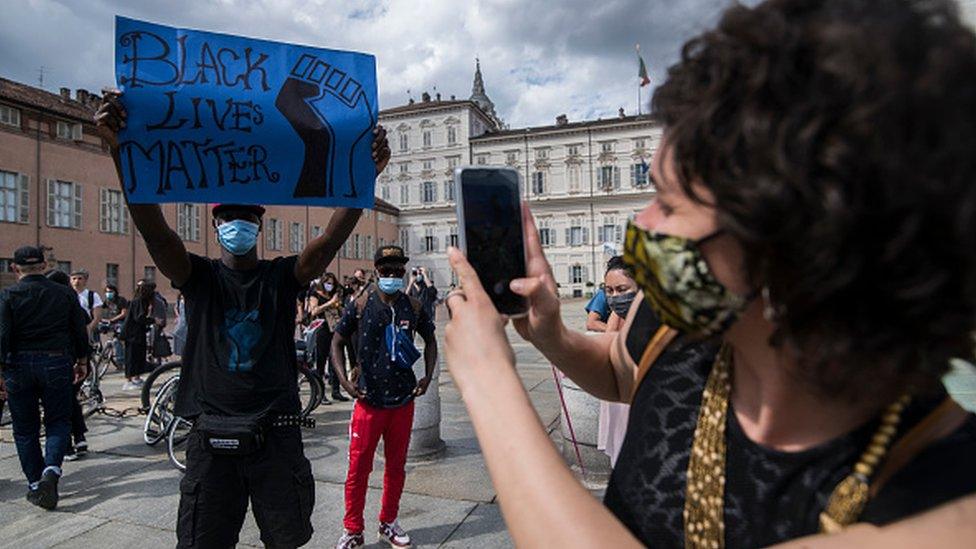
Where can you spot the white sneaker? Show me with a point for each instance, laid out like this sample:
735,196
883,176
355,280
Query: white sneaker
350,541
394,534
129,386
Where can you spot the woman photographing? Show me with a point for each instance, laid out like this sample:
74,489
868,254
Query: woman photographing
812,244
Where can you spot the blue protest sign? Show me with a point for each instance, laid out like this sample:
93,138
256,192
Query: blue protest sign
220,118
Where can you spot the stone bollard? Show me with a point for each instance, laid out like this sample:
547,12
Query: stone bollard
584,412
425,435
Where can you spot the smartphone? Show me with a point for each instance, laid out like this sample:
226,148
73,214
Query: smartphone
489,210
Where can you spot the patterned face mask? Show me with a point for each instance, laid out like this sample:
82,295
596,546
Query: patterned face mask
677,283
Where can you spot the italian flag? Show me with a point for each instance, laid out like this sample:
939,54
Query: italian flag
642,69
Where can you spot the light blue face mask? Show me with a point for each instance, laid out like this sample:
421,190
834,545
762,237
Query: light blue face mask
391,285
238,236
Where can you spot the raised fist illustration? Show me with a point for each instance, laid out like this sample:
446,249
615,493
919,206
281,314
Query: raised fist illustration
315,99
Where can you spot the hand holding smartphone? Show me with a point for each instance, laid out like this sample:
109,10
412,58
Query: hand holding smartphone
489,210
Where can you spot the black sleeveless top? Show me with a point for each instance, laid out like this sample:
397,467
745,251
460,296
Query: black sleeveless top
770,496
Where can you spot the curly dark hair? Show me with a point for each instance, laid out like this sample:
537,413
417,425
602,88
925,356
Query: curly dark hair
838,138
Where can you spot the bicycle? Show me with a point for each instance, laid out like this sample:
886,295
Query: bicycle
90,393
161,414
147,384
107,353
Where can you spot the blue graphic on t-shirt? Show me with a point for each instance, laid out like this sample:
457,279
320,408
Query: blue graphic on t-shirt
243,333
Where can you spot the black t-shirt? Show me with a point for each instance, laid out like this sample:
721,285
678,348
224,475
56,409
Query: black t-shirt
770,496
386,385
240,349
113,307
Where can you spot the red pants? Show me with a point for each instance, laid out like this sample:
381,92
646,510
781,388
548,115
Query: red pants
368,425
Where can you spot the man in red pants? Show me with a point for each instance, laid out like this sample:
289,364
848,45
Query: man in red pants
386,320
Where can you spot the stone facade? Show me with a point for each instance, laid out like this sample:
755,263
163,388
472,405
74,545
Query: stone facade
582,180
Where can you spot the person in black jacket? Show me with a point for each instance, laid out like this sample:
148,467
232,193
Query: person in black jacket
145,310
43,348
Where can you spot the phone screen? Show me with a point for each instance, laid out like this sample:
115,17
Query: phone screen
493,233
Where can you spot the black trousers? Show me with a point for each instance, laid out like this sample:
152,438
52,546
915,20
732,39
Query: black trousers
135,356
215,490
323,348
78,426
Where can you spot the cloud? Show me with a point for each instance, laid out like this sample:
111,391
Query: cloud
540,58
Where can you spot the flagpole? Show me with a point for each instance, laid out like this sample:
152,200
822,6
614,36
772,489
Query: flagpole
639,86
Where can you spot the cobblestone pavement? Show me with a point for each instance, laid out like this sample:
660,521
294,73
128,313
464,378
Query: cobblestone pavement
124,494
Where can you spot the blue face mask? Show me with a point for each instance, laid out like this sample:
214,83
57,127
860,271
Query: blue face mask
391,285
238,236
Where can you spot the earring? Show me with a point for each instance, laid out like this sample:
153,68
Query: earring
769,311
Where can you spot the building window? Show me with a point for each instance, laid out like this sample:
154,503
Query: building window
405,239
404,194
481,160
429,192
274,235
316,231
453,161
369,246
453,235
6,265
112,216
63,204
606,147
511,158
577,273
547,237
403,142
610,232
14,197
572,150
638,175
577,234
608,178
68,131
296,237
428,165
63,266
451,135
9,116
428,139
430,241
385,191
404,168
149,273
112,274
357,247
640,143
449,190
382,242
541,154
573,173
538,183
188,222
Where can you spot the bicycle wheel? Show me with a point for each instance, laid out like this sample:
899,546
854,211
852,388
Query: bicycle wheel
103,359
310,392
161,412
151,378
90,395
179,430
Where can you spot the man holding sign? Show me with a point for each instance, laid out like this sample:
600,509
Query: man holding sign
239,376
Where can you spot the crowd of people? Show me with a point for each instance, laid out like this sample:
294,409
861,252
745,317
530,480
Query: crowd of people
770,344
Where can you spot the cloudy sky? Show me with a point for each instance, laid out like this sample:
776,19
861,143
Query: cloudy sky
540,58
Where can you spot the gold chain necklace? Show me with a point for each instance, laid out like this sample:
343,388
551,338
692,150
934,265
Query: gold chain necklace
705,491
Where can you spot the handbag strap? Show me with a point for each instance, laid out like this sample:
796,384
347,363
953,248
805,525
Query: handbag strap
940,422
662,338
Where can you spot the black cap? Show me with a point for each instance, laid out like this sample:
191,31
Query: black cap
253,208
29,255
389,254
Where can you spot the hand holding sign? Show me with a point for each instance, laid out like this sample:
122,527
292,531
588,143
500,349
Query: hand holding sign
208,116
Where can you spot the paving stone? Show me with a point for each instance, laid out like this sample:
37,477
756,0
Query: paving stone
120,535
28,527
484,527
